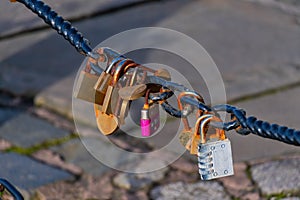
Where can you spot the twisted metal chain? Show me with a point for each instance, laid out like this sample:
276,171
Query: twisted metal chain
62,26
242,124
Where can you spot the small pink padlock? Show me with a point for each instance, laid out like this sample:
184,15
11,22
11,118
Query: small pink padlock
145,123
150,119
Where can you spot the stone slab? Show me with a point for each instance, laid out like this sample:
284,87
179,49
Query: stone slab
252,50
189,191
278,176
32,70
255,62
239,185
58,97
280,108
139,181
15,17
75,152
25,131
88,187
7,114
28,174
290,6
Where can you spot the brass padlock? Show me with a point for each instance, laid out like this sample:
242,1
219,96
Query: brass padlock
116,75
106,78
163,73
84,88
107,121
129,93
186,134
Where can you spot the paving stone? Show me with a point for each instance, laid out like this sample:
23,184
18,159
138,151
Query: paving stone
135,182
180,176
185,165
252,196
245,40
58,97
289,6
53,159
87,187
239,185
27,173
4,145
253,64
127,195
25,130
277,108
7,114
31,70
15,17
200,190
277,176
75,152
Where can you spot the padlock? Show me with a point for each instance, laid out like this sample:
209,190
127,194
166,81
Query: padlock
106,78
116,75
150,117
214,155
128,94
163,73
107,121
123,102
186,134
84,88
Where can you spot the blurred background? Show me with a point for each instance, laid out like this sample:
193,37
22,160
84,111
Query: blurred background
254,43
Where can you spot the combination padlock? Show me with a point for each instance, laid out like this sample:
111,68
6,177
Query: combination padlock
214,155
150,117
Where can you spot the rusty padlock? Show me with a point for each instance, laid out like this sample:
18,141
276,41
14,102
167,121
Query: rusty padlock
187,132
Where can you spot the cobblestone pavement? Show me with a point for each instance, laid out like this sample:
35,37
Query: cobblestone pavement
255,44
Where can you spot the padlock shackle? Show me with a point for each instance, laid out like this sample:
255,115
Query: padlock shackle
121,69
113,62
191,94
187,93
202,122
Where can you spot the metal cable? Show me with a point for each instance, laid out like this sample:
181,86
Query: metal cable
11,189
62,26
245,125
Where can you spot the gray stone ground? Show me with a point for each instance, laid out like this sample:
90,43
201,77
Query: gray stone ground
255,44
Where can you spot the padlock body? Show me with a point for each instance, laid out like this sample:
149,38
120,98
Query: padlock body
154,117
103,82
215,159
84,88
146,127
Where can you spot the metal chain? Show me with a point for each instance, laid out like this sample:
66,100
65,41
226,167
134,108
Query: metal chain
242,124
11,189
62,26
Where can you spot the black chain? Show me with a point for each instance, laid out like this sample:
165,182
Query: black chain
62,26
242,124
11,189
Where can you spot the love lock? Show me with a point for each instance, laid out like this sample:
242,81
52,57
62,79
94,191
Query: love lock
186,134
214,155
